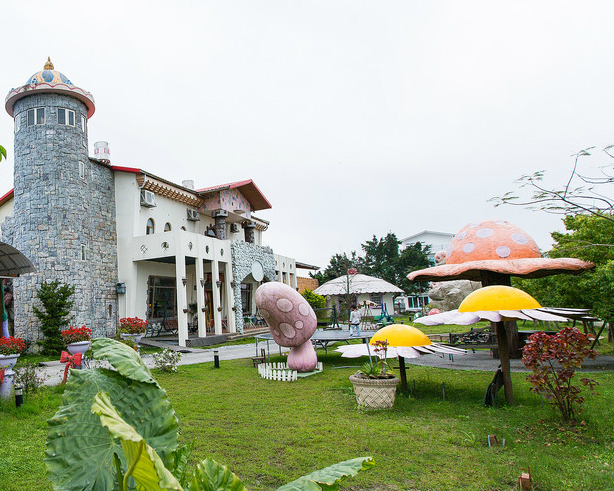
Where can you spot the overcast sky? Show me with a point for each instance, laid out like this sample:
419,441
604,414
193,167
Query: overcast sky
353,118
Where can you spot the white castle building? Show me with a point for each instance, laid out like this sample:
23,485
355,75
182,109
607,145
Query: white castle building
132,243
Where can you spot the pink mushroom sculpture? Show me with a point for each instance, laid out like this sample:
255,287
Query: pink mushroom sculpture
292,322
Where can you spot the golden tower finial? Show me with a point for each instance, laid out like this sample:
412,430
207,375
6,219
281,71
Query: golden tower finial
48,65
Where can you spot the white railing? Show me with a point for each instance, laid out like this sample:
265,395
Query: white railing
280,371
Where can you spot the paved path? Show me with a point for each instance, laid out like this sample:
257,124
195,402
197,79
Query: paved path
481,360
54,370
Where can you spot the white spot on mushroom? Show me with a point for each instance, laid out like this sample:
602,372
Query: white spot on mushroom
287,329
468,247
265,313
483,233
284,305
449,250
474,224
277,333
503,251
298,324
462,235
519,238
303,308
500,222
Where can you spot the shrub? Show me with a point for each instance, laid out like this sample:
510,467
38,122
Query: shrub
76,334
56,302
11,346
553,360
317,302
29,377
167,360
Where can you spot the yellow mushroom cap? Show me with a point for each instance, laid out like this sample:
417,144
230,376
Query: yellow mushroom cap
401,335
498,297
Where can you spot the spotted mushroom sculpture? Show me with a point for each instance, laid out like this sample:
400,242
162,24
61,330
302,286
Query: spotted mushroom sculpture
292,322
492,251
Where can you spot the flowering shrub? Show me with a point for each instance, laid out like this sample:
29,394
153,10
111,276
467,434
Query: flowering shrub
553,360
132,325
379,369
167,360
30,377
76,334
11,346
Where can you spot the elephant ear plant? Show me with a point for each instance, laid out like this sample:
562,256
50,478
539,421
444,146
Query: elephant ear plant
116,430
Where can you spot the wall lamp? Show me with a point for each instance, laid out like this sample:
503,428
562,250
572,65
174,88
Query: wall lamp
184,281
120,288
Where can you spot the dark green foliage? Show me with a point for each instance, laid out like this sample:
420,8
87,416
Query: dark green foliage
382,259
55,316
316,301
338,266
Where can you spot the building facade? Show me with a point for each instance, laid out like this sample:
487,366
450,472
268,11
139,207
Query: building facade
132,244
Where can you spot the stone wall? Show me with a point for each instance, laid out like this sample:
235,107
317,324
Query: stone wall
243,256
64,222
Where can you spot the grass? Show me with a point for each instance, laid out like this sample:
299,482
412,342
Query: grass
269,432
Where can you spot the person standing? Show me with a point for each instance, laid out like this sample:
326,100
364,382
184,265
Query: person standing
355,320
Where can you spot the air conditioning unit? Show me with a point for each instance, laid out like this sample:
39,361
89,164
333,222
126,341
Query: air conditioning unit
193,215
148,198
234,228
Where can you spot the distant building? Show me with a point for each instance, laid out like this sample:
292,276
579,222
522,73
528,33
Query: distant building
438,241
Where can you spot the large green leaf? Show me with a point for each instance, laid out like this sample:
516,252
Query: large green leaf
123,358
212,476
80,450
329,477
145,465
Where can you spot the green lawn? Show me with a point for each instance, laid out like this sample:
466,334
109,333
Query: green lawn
269,432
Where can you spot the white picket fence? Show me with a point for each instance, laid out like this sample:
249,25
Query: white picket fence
280,371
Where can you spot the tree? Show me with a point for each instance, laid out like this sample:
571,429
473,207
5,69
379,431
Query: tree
382,259
579,195
2,152
55,316
338,266
317,302
590,238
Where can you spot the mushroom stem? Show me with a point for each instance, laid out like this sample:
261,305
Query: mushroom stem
504,358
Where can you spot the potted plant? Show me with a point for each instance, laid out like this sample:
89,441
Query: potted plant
375,385
132,328
10,349
77,339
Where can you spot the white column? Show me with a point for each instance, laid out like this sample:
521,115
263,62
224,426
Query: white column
182,298
217,315
230,299
200,298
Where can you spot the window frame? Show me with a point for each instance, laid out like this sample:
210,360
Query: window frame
150,227
36,113
67,116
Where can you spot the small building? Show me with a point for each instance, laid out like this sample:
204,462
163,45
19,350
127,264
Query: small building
438,241
361,288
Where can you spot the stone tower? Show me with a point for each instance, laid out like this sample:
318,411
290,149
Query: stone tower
64,219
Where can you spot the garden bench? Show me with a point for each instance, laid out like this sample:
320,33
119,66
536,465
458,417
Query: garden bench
259,359
153,329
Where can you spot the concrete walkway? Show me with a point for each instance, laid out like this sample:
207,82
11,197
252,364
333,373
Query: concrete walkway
54,370
480,360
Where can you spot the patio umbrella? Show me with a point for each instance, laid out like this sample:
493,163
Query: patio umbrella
497,304
403,342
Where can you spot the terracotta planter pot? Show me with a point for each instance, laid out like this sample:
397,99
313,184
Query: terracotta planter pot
375,393
80,347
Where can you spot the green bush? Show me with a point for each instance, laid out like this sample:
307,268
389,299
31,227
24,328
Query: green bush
55,315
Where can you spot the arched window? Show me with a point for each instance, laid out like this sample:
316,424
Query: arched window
167,227
150,227
183,228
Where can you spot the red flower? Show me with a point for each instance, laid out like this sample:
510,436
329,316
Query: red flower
11,346
77,334
132,325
